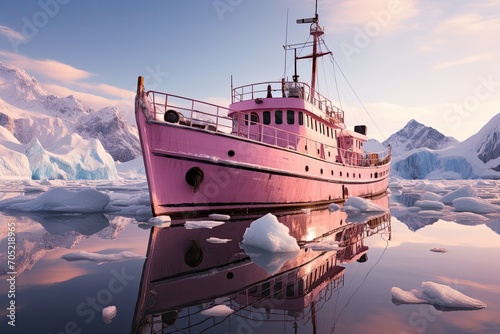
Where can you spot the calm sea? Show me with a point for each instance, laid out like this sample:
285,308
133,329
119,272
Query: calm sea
178,280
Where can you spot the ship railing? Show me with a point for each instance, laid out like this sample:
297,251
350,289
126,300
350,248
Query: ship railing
286,89
208,116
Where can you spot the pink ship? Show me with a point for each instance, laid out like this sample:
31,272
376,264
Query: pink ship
278,145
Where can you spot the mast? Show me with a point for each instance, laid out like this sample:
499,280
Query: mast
316,31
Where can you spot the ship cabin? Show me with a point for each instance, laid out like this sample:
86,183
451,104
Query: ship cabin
293,116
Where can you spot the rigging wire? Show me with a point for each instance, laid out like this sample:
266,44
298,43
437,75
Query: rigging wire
362,282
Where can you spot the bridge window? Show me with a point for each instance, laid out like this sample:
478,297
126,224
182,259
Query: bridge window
267,117
278,117
254,118
290,117
301,118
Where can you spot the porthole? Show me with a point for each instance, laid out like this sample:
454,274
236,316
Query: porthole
332,172
305,147
229,275
321,171
359,175
307,168
230,153
347,174
340,173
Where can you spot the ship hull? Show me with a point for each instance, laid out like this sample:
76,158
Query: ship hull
241,174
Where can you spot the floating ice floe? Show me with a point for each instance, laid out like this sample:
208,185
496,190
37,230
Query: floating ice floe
108,313
218,216
429,205
214,240
218,311
100,258
160,221
61,200
324,246
439,250
333,207
474,205
191,225
429,196
358,205
269,234
436,294
466,191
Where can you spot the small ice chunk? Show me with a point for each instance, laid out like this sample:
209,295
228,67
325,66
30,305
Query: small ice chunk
439,250
217,311
465,191
436,294
474,205
435,187
357,205
100,258
324,246
406,297
214,240
191,225
430,196
160,221
269,234
64,200
333,207
218,216
108,313
429,205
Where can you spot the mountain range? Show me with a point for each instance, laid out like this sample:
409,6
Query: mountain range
421,152
44,136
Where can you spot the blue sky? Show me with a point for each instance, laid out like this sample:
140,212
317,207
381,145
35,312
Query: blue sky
433,61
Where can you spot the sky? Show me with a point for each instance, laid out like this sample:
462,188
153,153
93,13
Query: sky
433,61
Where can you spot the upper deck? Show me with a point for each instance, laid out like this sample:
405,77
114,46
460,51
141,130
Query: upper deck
256,92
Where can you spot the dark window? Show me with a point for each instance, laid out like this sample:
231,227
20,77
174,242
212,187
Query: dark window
307,119
316,125
267,117
278,117
290,117
254,119
301,118
246,119
266,289
290,290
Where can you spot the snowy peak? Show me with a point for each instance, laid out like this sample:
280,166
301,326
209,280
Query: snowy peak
476,157
416,135
487,142
28,111
18,86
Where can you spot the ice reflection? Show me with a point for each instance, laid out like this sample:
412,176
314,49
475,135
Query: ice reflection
185,274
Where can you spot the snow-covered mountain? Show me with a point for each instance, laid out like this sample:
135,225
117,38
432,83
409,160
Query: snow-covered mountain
27,110
476,157
416,135
46,136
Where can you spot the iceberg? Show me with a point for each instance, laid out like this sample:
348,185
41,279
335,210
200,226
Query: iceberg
436,294
269,234
474,205
61,200
466,191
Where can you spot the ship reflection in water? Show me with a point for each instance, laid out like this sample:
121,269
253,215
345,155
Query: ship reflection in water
192,272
